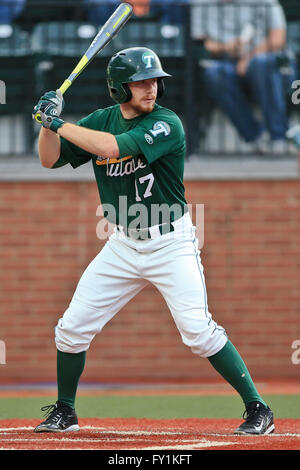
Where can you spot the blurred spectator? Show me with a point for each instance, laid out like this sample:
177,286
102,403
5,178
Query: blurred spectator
141,7
169,11
98,11
246,42
293,135
10,10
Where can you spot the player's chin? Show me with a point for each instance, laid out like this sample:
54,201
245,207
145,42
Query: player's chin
147,106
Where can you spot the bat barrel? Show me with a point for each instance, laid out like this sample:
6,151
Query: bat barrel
117,20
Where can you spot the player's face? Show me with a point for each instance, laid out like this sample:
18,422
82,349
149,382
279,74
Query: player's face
144,94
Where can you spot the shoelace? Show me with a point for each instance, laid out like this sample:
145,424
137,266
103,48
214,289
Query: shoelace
52,411
247,415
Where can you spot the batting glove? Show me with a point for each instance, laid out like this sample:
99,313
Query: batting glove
48,110
48,114
54,97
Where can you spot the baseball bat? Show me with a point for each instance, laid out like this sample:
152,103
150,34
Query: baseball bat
108,31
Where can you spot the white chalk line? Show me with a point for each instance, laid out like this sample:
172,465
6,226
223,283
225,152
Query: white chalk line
190,446
103,430
252,435
78,439
169,444
21,428
194,447
7,434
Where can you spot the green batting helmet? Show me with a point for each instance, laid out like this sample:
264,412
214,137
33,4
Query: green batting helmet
132,65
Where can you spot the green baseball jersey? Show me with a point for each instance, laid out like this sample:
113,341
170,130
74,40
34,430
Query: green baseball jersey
144,185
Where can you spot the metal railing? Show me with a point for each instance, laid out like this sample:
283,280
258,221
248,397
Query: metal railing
41,41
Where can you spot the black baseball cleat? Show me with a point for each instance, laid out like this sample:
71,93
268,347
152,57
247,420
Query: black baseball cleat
59,418
259,420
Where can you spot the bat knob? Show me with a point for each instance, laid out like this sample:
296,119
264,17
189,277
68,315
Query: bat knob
38,118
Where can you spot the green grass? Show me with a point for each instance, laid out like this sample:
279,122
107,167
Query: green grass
168,407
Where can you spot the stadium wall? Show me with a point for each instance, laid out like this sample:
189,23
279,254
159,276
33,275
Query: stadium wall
251,258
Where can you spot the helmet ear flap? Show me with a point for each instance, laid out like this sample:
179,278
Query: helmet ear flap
160,87
127,91
121,94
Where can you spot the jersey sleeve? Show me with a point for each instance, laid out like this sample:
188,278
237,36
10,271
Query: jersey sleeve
154,137
70,153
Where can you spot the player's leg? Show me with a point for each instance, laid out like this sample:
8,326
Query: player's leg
178,274
259,417
108,283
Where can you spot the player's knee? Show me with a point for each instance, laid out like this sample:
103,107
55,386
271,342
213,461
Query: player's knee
69,341
206,345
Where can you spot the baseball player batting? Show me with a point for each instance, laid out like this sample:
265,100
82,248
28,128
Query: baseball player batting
137,149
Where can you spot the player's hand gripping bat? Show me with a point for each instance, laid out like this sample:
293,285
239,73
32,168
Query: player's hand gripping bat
108,31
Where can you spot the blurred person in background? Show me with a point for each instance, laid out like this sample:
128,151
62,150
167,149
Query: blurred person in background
169,11
98,11
246,44
166,11
141,7
10,10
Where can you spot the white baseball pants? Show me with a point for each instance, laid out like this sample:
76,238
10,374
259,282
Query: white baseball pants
171,262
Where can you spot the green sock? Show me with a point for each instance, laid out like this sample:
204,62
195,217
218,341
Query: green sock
231,366
69,370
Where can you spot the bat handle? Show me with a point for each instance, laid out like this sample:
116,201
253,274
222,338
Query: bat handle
62,88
